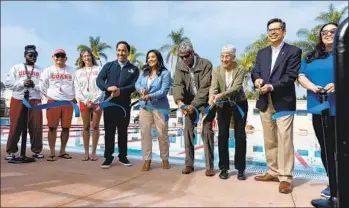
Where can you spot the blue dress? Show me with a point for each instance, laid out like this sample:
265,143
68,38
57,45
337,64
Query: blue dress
320,72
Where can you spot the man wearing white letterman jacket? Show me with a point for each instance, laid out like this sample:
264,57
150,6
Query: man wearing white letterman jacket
57,84
23,77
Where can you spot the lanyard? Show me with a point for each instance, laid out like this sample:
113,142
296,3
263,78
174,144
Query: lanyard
88,79
29,76
59,77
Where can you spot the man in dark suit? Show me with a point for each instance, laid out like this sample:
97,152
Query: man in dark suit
118,77
274,74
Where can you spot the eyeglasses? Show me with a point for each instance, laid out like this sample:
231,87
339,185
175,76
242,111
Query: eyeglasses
60,55
328,32
274,30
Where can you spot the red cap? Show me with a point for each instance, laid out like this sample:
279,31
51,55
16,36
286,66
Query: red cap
59,51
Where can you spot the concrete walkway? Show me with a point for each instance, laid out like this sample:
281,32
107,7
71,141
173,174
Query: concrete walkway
67,183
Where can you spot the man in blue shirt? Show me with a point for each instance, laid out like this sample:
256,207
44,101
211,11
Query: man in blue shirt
118,77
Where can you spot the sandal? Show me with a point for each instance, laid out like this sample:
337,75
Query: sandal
65,156
94,158
38,155
51,158
86,159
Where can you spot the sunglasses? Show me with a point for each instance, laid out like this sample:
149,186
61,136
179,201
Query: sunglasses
328,32
60,55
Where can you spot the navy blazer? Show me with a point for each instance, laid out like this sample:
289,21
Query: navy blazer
282,77
125,79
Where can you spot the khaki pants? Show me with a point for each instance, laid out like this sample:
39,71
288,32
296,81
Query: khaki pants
278,143
147,119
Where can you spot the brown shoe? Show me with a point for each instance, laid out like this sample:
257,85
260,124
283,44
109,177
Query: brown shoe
285,187
146,166
209,172
187,170
165,164
266,177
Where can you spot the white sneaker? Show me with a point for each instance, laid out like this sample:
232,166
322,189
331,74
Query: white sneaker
10,156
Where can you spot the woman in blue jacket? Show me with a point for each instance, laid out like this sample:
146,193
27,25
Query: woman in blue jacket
317,72
153,85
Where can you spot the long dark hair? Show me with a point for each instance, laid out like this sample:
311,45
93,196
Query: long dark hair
319,52
82,63
161,66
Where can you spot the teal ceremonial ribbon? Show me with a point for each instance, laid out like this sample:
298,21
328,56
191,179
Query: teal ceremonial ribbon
106,103
109,104
226,101
315,110
196,112
52,105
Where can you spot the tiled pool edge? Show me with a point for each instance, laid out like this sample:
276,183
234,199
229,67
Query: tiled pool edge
252,166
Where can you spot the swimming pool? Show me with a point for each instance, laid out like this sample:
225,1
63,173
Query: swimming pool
307,155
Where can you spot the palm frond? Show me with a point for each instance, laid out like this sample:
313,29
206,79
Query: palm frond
81,47
103,46
104,56
137,55
165,47
77,61
303,33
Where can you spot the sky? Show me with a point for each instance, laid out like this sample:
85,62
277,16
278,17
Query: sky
209,24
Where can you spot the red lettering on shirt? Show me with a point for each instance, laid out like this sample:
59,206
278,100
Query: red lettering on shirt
61,76
32,74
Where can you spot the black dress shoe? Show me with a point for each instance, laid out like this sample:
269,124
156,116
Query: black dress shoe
223,174
241,175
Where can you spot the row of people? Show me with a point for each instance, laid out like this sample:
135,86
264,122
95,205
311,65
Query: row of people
196,85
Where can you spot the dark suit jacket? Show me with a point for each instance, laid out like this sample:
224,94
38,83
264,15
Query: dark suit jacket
125,79
282,77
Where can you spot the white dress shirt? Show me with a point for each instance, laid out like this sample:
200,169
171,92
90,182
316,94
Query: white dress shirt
274,54
228,78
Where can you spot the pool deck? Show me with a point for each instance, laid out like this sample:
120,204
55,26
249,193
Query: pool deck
68,183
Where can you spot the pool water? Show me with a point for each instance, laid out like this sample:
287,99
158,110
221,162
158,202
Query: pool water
307,155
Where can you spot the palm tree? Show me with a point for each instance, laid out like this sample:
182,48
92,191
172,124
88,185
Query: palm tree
171,49
309,38
97,49
248,58
332,15
133,57
262,42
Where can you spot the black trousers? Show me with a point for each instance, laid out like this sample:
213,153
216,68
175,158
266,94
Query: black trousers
223,119
114,119
330,146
